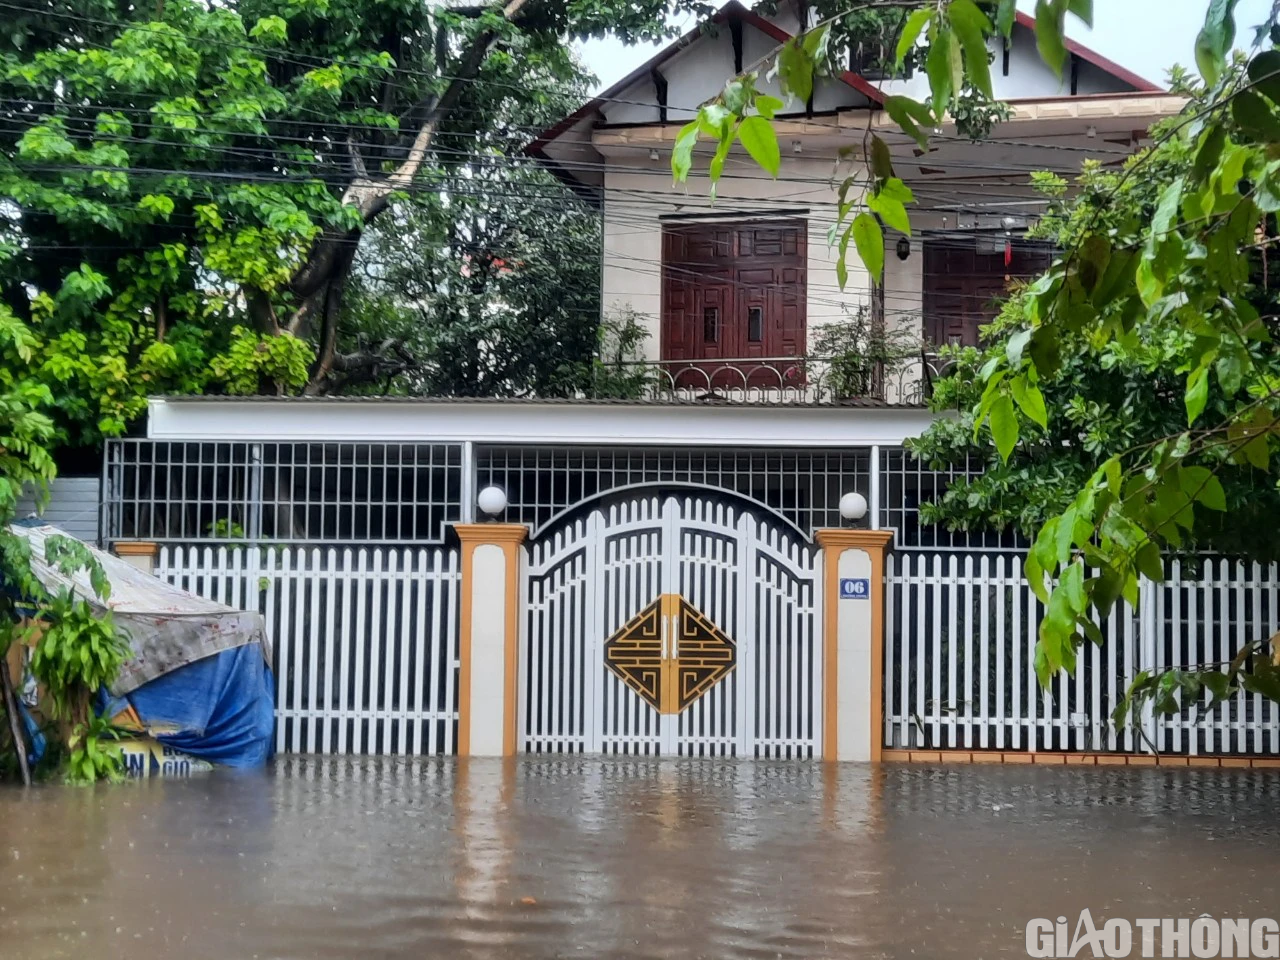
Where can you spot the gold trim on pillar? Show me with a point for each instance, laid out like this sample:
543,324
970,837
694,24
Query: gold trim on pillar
508,536
135,548
834,541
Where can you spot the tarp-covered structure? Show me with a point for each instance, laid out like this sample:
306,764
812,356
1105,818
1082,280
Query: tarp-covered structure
199,673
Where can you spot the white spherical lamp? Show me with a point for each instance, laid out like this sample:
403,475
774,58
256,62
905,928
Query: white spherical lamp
853,506
492,500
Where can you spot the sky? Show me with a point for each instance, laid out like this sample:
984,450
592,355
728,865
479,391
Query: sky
1147,36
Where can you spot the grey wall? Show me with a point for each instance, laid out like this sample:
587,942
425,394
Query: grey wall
72,507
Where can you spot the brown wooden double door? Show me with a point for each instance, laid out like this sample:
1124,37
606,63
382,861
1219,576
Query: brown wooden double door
965,283
734,292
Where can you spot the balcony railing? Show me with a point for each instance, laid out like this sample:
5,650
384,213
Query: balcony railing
765,380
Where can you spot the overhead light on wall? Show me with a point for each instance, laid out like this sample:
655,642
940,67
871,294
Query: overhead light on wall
1091,131
654,155
903,248
795,146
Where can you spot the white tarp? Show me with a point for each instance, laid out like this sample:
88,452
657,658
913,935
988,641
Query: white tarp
167,627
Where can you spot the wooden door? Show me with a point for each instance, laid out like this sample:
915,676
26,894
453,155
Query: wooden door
964,286
734,300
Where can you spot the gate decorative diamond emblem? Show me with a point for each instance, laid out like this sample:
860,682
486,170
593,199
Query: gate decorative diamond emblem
670,654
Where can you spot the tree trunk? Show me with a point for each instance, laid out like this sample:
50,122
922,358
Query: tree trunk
321,281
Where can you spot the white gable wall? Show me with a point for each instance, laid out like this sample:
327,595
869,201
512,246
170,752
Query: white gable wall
637,200
699,72
1028,77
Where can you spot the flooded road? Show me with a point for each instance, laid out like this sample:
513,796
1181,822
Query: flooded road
322,858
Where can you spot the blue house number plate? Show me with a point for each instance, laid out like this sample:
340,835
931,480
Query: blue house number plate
854,588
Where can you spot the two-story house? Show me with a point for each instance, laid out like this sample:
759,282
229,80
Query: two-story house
735,289
732,563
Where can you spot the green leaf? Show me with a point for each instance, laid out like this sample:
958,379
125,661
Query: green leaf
718,158
1197,393
938,68
1082,9
1215,39
1033,573
767,106
881,159
1017,344
891,211
972,26
1005,14
1264,679
1030,400
270,29
761,141
1231,367
1218,685
910,115
734,96
1071,584
911,31
1264,74
1210,150
868,238
815,42
714,119
1106,591
1148,562
795,71
1004,426
893,187
1254,116
682,152
1049,34
1167,208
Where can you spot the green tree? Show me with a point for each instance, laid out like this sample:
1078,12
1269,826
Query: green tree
189,184
1181,275
488,288
1106,398
79,650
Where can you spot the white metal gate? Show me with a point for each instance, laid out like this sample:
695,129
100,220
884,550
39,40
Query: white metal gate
672,627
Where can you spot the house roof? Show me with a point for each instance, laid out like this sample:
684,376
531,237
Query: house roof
1098,60
734,10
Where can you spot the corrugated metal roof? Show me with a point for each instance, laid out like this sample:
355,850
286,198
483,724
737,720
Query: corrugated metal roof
855,403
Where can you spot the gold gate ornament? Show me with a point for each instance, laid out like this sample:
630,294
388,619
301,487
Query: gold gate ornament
670,654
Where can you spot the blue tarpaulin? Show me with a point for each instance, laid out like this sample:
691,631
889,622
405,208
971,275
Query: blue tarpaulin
218,709
198,675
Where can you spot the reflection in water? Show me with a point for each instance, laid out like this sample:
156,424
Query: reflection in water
631,858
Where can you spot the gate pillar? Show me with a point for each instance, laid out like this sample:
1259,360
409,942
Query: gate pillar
853,642
488,649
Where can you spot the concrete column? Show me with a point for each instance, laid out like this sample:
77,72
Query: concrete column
138,553
853,643
490,627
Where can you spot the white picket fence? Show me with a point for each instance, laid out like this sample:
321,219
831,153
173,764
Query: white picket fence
364,640
960,634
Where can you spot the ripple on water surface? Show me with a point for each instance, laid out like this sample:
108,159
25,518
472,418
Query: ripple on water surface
354,858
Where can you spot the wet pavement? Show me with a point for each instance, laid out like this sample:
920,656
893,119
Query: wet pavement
323,858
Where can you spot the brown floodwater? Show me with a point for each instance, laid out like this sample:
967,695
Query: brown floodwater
354,858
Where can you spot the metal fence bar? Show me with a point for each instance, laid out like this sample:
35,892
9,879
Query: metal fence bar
959,672
179,491
317,603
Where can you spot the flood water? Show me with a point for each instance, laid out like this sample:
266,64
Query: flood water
352,858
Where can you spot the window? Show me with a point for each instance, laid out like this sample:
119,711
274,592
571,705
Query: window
711,324
755,324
